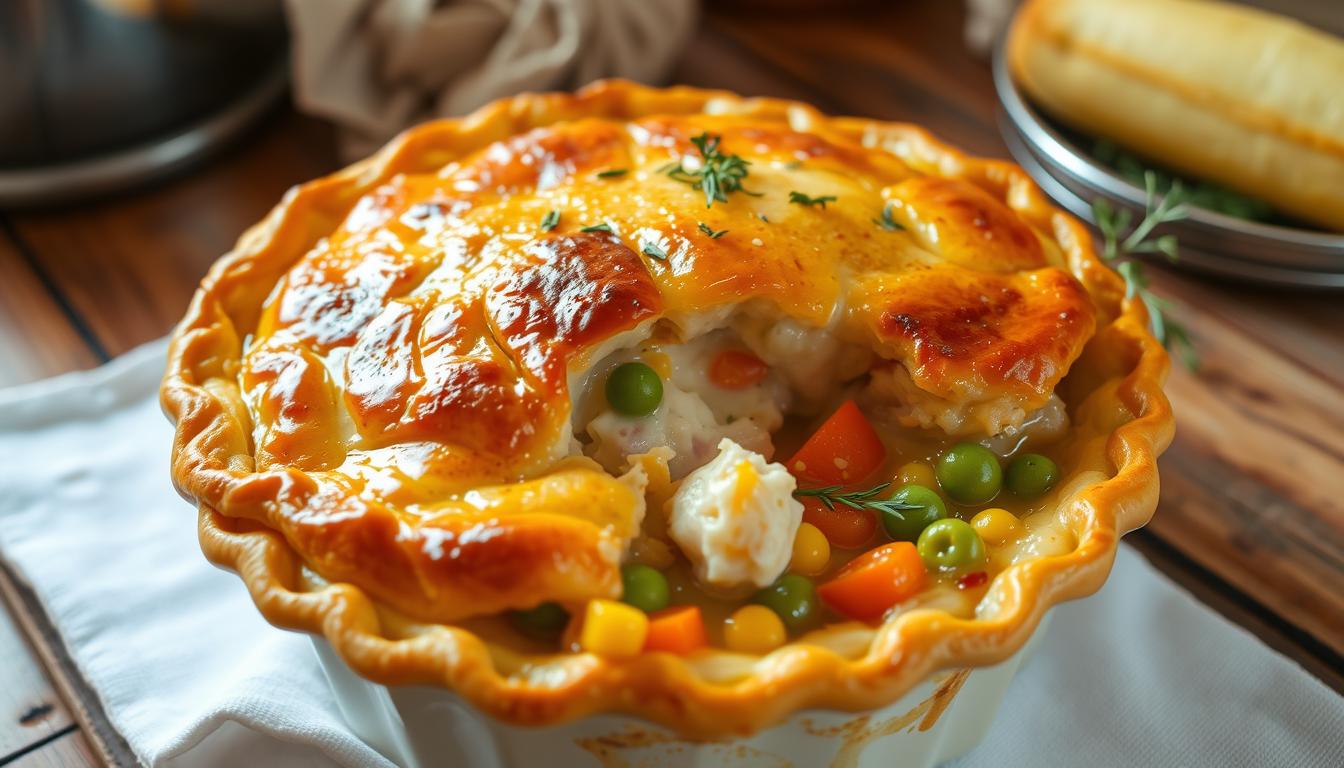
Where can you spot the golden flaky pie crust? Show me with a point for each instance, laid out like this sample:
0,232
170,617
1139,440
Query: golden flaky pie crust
210,454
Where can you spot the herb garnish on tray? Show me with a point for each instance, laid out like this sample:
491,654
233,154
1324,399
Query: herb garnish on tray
1120,244
1201,194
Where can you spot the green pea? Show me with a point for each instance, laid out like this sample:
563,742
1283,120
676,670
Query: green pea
970,473
950,545
544,622
644,587
793,597
634,389
1030,474
927,506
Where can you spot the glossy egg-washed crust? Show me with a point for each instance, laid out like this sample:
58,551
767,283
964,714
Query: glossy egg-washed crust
1015,296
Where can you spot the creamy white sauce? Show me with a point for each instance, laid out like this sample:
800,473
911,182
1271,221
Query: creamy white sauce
1042,426
694,414
812,361
892,396
807,368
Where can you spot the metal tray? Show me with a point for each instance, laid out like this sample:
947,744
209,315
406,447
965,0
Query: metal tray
1211,242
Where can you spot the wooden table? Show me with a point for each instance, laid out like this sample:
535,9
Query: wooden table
1252,512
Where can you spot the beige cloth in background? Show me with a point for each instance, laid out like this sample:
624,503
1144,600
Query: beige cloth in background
985,22
374,67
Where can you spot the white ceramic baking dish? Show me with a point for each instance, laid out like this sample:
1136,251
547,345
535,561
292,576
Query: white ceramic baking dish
422,726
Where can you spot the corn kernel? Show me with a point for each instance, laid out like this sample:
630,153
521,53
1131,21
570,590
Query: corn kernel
811,550
996,525
753,629
916,473
659,361
613,629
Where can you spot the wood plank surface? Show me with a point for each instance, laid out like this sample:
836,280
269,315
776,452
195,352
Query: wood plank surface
30,709
129,265
1252,487
78,700
69,751
894,61
37,339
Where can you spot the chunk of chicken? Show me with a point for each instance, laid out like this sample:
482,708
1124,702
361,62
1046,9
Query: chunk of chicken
735,519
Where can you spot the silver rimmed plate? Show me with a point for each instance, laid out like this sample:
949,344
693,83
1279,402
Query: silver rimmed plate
1210,242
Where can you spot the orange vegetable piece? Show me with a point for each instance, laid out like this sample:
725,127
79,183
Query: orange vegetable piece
737,369
844,527
679,629
843,450
875,581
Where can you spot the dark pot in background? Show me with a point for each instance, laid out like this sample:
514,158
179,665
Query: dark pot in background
98,95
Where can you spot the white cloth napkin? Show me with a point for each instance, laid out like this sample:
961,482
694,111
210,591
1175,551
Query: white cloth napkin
1141,674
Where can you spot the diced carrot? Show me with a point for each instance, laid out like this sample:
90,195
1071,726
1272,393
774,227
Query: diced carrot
844,527
843,450
679,629
737,369
875,581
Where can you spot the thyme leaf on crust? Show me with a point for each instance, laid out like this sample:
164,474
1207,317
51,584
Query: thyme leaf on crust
887,222
652,250
1120,244
603,227
710,231
718,176
802,199
550,220
863,501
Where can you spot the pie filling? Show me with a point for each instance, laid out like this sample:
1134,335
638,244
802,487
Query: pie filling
804,491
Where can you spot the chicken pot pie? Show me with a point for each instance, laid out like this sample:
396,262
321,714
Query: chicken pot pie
668,402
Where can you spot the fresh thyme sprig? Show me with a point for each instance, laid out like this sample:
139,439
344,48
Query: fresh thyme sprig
709,231
803,199
718,176
863,500
654,251
603,227
612,173
550,220
1119,248
887,222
